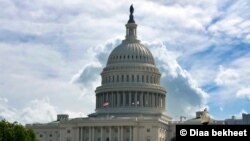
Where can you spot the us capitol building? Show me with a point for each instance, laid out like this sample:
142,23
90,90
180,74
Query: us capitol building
130,103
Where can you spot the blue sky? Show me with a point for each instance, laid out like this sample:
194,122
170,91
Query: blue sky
52,54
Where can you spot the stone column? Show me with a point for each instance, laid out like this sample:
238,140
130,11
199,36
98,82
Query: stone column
110,139
90,134
101,133
141,99
93,133
130,99
118,133
122,133
102,99
124,98
80,134
130,133
153,100
118,99
135,99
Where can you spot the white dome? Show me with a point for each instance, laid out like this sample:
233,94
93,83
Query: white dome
131,52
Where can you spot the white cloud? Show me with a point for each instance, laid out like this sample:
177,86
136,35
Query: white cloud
38,110
244,92
184,97
44,44
227,76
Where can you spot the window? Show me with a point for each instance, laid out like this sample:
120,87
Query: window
109,79
147,79
40,135
117,78
122,78
148,130
142,78
127,78
133,78
138,78
113,77
50,135
68,131
127,98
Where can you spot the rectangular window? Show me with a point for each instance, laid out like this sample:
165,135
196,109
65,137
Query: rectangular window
138,78
117,78
127,98
121,98
142,78
127,78
133,78
122,78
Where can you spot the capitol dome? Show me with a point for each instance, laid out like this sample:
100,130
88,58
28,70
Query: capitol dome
131,52
130,81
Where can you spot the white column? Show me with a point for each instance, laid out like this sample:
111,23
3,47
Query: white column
118,133
110,134
129,98
118,99
80,134
141,99
124,98
93,133
90,134
122,133
101,133
130,133
135,100
83,134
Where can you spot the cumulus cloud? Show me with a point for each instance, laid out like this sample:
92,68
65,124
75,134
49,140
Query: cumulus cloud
226,76
52,48
244,92
184,96
34,111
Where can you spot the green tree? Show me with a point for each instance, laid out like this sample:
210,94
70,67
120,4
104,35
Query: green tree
15,132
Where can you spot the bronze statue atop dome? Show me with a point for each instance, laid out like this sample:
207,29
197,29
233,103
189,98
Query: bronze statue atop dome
131,9
131,17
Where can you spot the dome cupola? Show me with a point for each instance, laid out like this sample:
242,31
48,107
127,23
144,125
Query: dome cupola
130,80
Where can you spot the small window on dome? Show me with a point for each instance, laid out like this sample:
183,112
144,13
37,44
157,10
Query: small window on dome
136,56
116,57
140,57
124,57
120,57
132,56
128,56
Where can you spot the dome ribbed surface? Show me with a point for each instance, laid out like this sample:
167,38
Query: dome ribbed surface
131,52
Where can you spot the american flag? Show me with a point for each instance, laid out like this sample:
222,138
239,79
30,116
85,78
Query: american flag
105,104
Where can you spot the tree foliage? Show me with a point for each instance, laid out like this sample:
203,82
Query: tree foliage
15,132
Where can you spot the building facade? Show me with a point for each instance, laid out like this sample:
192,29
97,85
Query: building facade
130,103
